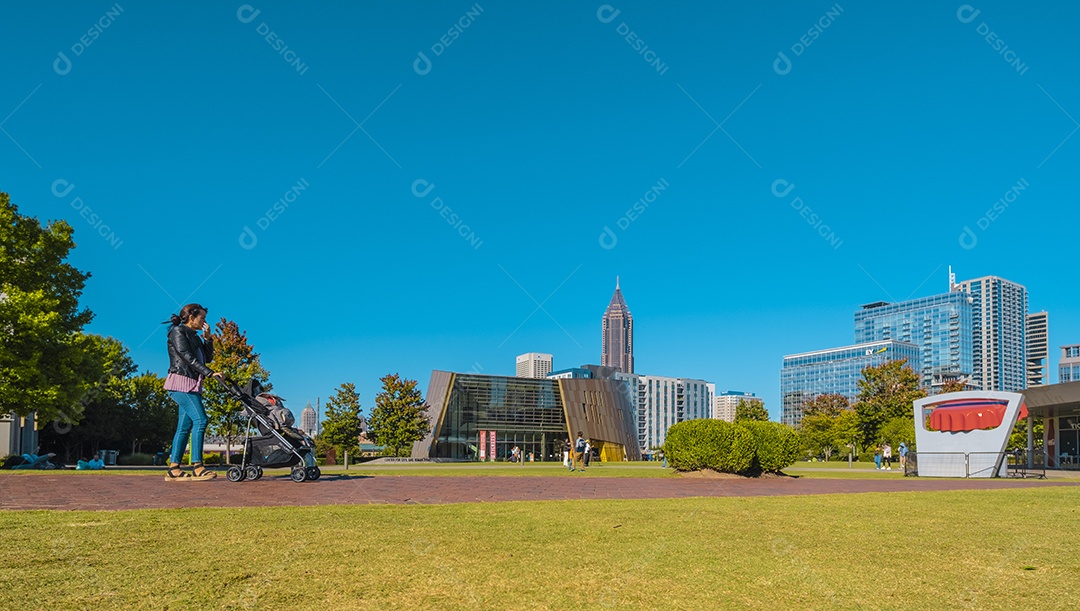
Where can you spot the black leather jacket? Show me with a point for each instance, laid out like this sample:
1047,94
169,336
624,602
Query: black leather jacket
183,359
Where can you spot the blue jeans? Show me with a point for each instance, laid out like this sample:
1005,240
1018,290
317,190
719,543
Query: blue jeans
192,422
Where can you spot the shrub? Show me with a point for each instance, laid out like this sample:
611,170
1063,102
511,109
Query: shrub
135,459
692,445
776,446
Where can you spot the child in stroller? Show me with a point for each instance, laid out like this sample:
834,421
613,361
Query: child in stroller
277,443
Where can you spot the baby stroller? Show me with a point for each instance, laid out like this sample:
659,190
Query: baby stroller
278,444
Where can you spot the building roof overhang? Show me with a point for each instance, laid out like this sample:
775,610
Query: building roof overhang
1053,400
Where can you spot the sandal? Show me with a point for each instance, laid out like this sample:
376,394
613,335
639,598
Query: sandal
199,472
170,477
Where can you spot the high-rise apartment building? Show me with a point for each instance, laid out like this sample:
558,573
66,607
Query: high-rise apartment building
662,401
725,403
836,370
617,347
999,338
533,365
941,325
1069,365
308,420
1038,349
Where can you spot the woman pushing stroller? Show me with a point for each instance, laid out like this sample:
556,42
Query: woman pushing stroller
188,356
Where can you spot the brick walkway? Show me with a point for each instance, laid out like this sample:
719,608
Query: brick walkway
42,491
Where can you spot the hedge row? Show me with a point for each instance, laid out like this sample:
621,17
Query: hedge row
747,448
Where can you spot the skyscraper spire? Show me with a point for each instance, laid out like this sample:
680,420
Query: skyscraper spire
617,341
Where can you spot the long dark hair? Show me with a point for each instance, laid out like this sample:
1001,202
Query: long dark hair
186,312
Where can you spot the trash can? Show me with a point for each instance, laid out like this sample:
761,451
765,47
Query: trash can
109,456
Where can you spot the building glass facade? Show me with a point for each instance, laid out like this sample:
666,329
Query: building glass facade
837,370
525,412
940,325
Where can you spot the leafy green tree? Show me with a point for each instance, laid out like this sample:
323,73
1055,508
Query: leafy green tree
343,423
237,360
152,419
899,429
44,365
751,410
102,409
831,405
400,416
886,391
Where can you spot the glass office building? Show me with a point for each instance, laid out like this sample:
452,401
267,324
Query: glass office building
536,415
940,325
836,370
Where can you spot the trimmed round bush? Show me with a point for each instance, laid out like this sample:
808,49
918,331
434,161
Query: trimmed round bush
693,445
776,445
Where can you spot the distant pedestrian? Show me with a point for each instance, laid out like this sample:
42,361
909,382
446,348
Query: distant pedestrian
579,452
903,456
567,458
588,451
877,457
664,459
886,453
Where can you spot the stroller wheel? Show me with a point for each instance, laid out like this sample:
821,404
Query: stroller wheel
235,474
252,473
260,471
313,473
298,474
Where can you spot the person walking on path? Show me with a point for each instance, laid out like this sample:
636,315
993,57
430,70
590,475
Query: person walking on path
887,455
588,451
903,456
188,356
877,457
567,457
579,452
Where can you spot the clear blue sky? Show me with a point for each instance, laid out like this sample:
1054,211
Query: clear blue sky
179,124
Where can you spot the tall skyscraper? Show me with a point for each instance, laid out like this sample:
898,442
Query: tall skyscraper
617,349
725,403
941,325
308,422
1038,349
533,365
999,339
837,370
1069,365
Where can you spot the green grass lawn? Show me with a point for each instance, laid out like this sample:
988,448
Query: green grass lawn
984,549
